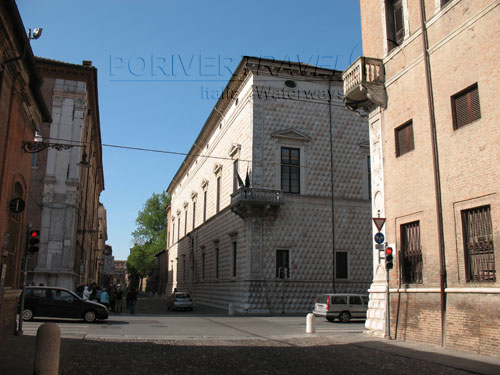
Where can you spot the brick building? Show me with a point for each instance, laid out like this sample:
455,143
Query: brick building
429,82
66,183
277,128
22,109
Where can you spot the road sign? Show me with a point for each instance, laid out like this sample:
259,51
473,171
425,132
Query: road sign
17,205
380,246
379,238
379,222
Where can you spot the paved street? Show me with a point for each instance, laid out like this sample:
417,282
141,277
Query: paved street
208,341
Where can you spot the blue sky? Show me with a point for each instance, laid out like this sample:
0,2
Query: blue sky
160,65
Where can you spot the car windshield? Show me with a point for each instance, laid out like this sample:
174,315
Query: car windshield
183,295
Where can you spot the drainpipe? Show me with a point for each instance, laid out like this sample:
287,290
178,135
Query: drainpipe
437,178
332,182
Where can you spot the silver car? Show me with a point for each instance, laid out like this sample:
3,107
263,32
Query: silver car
340,306
180,300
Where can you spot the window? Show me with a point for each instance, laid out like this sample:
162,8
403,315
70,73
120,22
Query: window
465,107
184,267
194,214
216,262
478,244
204,206
236,177
203,266
173,232
339,300
290,170
217,203
411,249
395,23
283,263
369,170
355,300
185,221
404,139
234,258
179,227
341,266
444,2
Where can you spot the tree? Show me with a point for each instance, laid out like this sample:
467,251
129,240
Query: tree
149,235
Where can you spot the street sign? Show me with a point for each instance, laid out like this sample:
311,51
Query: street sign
17,205
379,238
379,222
380,246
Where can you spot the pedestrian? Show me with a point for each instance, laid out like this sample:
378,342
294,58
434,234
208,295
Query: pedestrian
132,299
104,297
98,294
86,293
119,296
79,289
112,297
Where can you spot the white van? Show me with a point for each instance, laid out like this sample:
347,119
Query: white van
343,307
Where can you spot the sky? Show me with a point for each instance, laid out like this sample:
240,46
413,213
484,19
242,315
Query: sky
161,66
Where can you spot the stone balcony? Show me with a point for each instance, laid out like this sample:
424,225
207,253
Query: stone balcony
254,202
364,84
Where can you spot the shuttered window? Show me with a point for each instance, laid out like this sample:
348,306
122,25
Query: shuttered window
404,139
411,250
478,244
395,23
465,106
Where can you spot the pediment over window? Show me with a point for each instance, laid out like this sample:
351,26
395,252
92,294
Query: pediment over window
235,150
291,134
194,195
217,168
204,183
185,205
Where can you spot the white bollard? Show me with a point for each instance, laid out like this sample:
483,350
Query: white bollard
48,345
230,309
310,323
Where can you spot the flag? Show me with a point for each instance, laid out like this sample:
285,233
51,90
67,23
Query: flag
247,180
240,181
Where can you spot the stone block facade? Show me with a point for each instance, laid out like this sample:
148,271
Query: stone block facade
225,253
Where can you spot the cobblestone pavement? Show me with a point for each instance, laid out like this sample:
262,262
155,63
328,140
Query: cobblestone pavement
298,356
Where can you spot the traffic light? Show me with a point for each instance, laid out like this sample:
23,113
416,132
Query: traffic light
388,258
33,241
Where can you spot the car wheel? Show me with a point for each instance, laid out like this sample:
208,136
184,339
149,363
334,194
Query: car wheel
330,319
90,316
27,314
345,316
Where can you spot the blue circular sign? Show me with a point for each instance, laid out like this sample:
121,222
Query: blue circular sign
379,238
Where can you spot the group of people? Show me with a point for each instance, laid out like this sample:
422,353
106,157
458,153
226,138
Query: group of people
111,297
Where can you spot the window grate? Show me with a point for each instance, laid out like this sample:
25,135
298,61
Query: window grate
411,253
465,106
478,244
404,139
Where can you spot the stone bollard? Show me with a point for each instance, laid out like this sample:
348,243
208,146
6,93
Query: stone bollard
310,323
230,309
48,345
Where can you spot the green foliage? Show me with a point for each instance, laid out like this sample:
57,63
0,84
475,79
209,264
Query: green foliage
149,236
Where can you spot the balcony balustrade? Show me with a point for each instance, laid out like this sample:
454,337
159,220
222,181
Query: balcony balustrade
254,202
364,84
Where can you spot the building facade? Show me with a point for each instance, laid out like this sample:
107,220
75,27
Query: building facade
251,216
22,109
67,181
428,80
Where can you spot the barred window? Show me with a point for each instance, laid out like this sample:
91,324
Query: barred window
411,253
404,139
465,107
478,244
341,265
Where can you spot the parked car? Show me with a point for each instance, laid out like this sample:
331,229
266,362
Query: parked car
341,306
55,302
180,300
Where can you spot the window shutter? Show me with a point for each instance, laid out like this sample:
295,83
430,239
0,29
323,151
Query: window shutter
466,108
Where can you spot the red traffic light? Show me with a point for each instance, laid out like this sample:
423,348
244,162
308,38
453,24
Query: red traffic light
34,233
388,251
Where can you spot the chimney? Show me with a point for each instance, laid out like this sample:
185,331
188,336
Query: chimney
87,63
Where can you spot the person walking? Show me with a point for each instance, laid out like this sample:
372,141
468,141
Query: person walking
132,299
119,296
112,297
86,293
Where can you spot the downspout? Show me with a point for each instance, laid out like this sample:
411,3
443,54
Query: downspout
332,182
437,177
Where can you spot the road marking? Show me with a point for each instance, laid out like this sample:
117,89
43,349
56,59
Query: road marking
67,330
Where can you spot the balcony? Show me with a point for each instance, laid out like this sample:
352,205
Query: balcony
364,84
254,202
